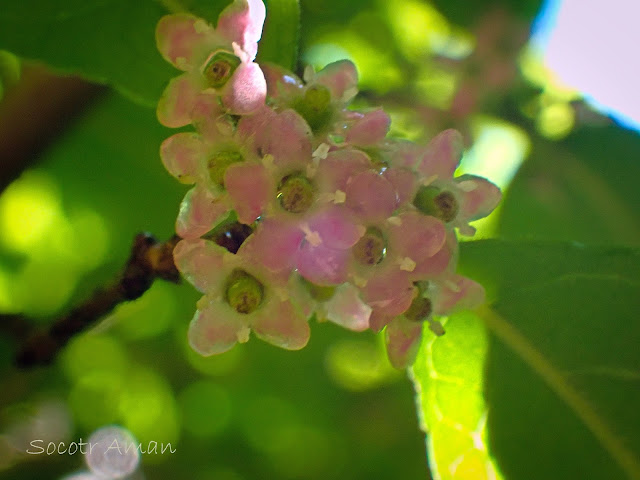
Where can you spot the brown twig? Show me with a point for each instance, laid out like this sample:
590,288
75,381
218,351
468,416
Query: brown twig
149,260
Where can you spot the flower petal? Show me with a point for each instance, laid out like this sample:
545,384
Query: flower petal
335,171
241,22
281,83
457,293
181,155
249,188
182,39
479,197
341,78
346,309
404,182
378,320
245,91
442,155
214,328
389,293
199,212
369,129
209,118
200,262
285,135
274,244
416,236
322,265
281,325
371,196
177,101
336,227
402,337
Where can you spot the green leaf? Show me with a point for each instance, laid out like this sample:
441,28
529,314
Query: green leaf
281,33
466,12
562,369
583,188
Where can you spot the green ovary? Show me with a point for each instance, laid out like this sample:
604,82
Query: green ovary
219,69
295,193
437,203
315,107
244,293
219,162
371,248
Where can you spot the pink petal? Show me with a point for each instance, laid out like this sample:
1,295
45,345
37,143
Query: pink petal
241,22
442,155
480,197
209,118
369,129
404,182
346,309
335,171
284,135
432,267
214,328
337,227
249,188
281,84
403,153
177,101
274,244
403,337
417,236
379,320
245,91
200,262
181,155
182,39
322,265
340,78
199,212
457,293
371,196
389,293
281,325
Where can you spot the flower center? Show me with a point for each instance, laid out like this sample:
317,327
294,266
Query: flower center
219,162
371,248
219,68
295,193
438,203
244,293
315,106
419,310
318,292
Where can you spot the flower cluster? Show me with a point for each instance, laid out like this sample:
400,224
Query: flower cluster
339,221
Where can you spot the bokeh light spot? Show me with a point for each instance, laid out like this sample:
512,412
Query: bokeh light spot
91,354
28,207
205,408
358,365
149,315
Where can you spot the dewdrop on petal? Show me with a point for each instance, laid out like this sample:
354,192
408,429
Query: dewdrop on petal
114,453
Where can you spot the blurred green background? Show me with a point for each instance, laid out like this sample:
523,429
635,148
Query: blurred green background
90,178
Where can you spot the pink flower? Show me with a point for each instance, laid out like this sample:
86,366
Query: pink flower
441,297
321,99
216,61
240,297
456,201
234,168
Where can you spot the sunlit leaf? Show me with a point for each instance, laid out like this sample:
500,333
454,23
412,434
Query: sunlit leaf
562,369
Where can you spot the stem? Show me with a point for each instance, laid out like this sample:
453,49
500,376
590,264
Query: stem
149,260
